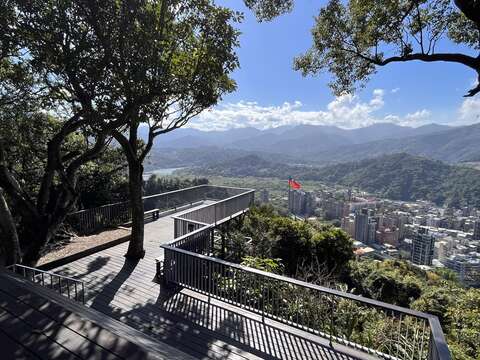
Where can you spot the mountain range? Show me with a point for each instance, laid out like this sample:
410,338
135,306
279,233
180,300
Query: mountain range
315,144
396,176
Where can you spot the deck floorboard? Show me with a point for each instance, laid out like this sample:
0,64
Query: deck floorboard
203,328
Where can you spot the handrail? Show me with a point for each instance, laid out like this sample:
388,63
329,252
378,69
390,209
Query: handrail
92,219
203,209
438,338
70,293
179,239
190,220
187,262
286,279
264,293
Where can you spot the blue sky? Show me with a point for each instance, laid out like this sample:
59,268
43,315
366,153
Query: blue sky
270,93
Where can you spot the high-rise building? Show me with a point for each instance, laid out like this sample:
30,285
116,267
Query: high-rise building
476,230
264,196
301,202
467,266
361,225
388,236
372,228
348,225
334,209
423,245
310,203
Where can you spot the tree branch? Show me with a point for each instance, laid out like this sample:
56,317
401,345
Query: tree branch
471,9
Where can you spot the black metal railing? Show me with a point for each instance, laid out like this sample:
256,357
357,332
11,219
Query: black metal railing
90,220
222,210
72,288
375,327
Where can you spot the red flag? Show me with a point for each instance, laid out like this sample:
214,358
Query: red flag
293,184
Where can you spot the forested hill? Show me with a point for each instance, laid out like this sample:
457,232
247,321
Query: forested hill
397,176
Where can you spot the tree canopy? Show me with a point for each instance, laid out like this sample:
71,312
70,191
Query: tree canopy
351,40
108,67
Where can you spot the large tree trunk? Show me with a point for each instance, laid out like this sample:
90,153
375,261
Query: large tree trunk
36,235
135,182
10,241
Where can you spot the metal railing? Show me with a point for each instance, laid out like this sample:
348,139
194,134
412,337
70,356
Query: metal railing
198,241
90,220
72,288
375,327
222,210
371,326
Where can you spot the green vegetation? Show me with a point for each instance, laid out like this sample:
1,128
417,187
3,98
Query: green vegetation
297,244
325,256
398,177
159,184
352,39
154,63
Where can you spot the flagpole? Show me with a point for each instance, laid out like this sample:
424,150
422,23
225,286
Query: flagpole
288,194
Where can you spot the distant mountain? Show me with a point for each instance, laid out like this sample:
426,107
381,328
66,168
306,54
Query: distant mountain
396,176
452,145
299,139
318,145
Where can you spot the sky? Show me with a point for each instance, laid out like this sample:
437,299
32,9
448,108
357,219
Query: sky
270,93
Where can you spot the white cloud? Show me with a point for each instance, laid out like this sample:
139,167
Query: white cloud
395,90
469,111
346,111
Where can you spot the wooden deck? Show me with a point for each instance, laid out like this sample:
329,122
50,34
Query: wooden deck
184,319
36,323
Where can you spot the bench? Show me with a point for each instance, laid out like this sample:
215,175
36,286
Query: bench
154,214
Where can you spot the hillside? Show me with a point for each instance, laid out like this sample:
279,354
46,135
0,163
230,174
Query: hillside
452,145
317,145
397,176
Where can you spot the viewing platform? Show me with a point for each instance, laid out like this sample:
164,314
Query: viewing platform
208,308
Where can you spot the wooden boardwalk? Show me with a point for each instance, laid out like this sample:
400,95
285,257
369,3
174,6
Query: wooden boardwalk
36,323
184,319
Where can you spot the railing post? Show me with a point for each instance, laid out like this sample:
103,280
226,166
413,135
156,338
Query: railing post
262,289
210,280
332,322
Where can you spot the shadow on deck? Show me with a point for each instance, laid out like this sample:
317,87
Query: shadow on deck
184,319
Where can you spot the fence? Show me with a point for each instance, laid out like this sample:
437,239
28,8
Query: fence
221,210
341,317
374,327
90,220
72,288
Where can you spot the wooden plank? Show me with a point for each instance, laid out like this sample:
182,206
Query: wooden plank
156,350
12,350
53,326
116,301
228,330
36,342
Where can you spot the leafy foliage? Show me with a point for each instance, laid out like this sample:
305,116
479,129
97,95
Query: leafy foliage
296,243
351,40
395,282
268,9
158,184
270,265
397,176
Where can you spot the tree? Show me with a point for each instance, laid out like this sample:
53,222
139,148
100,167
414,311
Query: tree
293,242
268,9
189,46
27,94
333,249
132,65
353,39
